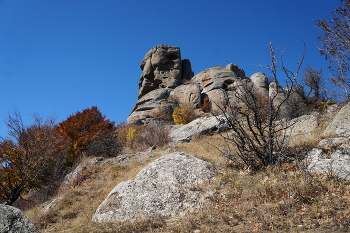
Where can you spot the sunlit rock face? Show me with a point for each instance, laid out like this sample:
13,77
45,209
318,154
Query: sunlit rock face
168,82
161,68
162,72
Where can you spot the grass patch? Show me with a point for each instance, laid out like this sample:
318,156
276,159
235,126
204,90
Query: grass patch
277,199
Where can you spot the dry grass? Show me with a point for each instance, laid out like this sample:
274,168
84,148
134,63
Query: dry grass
285,199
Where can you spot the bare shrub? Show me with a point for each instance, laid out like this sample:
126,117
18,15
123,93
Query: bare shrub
150,135
258,122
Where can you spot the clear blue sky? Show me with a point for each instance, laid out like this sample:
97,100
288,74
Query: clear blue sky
62,56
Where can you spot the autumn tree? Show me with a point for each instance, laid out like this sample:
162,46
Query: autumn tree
336,44
27,156
85,128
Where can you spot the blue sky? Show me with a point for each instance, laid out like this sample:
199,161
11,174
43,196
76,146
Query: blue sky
58,57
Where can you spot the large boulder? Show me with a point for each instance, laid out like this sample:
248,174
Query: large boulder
13,220
187,95
216,77
260,82
198,127
161,68
332,155
238,71
164,187
301,126
340,125
162,71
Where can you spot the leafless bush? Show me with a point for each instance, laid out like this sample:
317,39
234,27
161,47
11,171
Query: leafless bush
258,122
150,135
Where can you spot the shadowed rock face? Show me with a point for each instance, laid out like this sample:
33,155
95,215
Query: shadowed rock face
161,68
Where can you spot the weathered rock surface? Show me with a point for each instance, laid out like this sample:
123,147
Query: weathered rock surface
260,81
216,77
340,126
163,188
198,127
161,67
168,82
74,178
332,155
330,143
238,71
13,220
303,125
187,95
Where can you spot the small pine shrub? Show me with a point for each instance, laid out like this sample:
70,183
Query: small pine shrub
183,115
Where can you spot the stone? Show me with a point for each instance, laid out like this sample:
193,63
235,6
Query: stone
340,125
187,73
215,78
302,125
126,159
163,188
343,152
162,71
219,100
238,71
161,68
188,95
332,167
73,178
276,93
331,143
198,127
13,220
261,85
314,155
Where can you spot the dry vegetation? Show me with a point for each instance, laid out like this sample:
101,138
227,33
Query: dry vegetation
285,199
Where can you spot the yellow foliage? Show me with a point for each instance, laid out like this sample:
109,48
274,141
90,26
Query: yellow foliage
183,115
324,105
131,134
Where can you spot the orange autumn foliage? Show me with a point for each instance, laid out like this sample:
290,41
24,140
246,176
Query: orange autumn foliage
27,157
81,128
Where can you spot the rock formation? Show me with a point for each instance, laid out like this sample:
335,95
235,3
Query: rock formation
199,127
167,82
332,154
163,188
13,220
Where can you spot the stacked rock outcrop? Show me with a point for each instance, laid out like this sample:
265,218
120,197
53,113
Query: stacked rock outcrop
332,154
167,82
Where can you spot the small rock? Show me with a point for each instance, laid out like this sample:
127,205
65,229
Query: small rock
13,220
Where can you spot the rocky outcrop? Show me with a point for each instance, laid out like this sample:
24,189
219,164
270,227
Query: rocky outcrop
332,154
161,68
162,71
167,82
198,127
164,187
13,220
340,126
303,125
